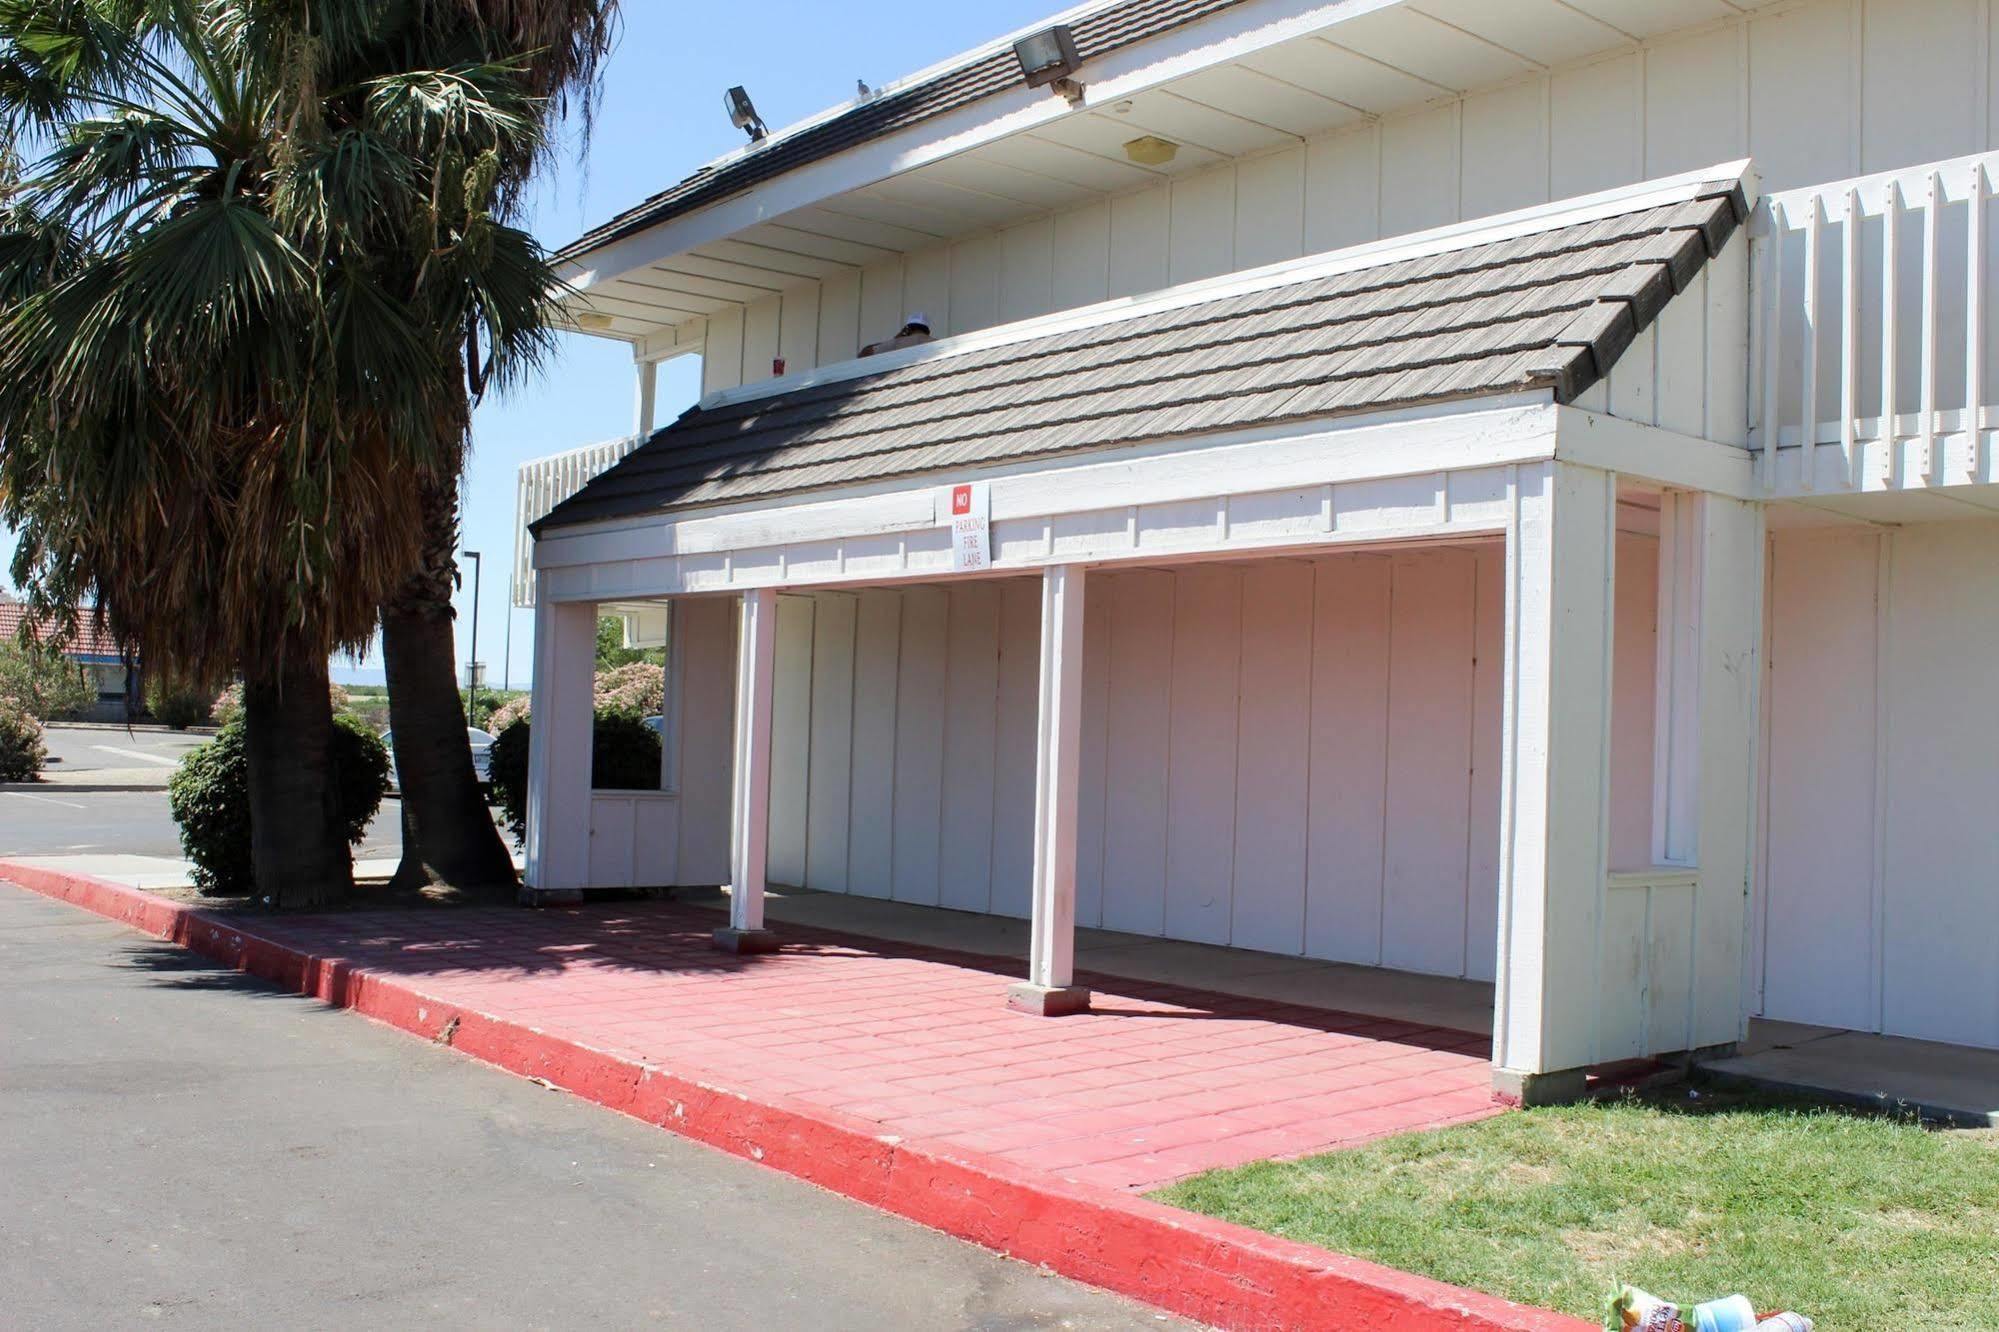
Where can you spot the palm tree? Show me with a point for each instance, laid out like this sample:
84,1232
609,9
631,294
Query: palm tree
239,267
447,834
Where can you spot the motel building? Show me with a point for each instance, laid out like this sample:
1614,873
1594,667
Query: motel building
1499,491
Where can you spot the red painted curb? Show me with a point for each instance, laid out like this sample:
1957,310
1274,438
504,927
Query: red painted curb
1222,1274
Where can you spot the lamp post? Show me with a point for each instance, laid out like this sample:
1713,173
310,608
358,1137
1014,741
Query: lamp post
472,662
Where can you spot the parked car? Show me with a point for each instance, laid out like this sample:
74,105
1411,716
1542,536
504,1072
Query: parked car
656,724
482,757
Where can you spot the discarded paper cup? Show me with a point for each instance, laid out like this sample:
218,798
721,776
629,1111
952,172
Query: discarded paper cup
1732,1314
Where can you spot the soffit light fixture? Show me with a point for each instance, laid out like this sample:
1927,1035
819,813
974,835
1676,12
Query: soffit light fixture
1048,58
1150,150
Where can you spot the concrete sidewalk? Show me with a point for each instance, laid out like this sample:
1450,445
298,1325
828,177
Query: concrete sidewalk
1954,1084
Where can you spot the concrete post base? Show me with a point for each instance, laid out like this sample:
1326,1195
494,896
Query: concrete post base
541,897
745,942
1047,1001
1514,1087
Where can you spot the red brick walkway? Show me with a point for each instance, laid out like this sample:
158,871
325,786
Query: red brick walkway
1156,1083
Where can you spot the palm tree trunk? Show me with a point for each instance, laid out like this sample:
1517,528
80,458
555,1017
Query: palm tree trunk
298,844
448,834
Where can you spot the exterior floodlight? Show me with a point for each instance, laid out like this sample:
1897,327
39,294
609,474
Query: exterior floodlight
743,114
1049,56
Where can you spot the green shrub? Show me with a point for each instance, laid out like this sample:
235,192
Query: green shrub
210,799
624,756
507,762
180,708
21,751
42,682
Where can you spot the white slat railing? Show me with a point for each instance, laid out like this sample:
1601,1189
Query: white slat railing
1870,320
544,483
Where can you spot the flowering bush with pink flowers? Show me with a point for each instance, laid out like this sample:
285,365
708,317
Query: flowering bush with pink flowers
513,710
229,703
637,690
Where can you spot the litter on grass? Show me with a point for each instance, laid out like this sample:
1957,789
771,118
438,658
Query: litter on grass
1633,1310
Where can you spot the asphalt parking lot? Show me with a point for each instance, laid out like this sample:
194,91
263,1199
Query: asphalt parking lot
59,820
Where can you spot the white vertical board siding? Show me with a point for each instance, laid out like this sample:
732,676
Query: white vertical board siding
1238,781
791,740
1634,671
882,310
1082,256
1814,92
971,704
1273,746
1141,654
921,684
1270,208
1422,191
1139,225
872,772
705,703
839,323
1018,702
1429,762
1201,752
1880,901
760,338
1027,270
829,783
1349,736
926,288
1819,892
633,839
1093,767
1940,896
1201,231
722,350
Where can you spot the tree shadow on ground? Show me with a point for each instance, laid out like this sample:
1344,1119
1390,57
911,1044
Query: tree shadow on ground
486,946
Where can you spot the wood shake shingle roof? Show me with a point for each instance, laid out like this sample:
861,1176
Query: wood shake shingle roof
1551,310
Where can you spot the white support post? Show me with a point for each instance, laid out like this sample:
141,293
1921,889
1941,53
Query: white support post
647,397
1050,987
559,743
1729,662
749,841
1555,768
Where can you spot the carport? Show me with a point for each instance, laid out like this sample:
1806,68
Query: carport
1287,622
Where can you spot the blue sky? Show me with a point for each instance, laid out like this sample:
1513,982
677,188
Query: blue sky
661,118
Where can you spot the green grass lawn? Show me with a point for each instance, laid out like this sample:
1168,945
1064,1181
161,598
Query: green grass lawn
1864,1223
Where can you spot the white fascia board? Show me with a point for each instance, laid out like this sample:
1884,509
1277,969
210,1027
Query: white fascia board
1434,441
1213,40
1632,448
1373,254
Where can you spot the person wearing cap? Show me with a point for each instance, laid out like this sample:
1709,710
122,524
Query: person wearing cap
915,329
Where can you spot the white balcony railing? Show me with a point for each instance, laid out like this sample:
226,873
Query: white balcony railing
1871,346
544,483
